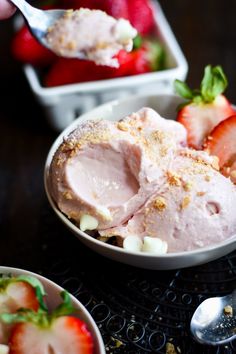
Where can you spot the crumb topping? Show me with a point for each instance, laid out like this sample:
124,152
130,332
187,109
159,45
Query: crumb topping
173,179
185,202
170,348
188,186
160,203
67,195
228,310
200,194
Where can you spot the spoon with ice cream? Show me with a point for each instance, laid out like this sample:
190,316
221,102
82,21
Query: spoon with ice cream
83,34
214,321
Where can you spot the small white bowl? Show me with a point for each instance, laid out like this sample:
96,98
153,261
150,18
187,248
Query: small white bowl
165,105
53,299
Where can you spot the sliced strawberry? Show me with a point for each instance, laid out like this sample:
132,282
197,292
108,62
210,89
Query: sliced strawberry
40,332
66,335
140,15
204,108
27,49
222,143
16,293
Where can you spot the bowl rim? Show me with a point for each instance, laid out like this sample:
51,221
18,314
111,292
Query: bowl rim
93,240
89,319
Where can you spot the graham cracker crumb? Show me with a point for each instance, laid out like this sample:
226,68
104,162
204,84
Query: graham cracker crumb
185,202
71,45
67,195
170,348
158,136
159,203
173,179
228,310
200,194
188,186
207,178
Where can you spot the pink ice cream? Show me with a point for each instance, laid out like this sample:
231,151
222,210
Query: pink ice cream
195,207
136,178
90,34
109,169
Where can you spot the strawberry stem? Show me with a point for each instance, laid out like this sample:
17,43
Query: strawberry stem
213,84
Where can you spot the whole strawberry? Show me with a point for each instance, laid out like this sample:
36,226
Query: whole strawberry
204,108
40,332
140,15
27,49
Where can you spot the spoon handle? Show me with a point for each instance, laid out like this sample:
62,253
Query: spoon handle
35,17
25,8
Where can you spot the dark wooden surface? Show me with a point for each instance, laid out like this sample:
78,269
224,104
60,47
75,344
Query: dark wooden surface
31,237
206,33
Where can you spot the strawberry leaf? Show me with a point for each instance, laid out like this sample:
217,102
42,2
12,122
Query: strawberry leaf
10,318
183,90
213,84
66,307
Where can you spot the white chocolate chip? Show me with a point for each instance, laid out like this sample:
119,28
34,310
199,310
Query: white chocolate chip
104,212
124,30
132,243
154,245
4,349
88,222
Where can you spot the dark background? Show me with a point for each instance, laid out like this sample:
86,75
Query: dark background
31,237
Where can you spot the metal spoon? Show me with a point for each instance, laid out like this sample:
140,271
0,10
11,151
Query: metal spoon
213,323
40,21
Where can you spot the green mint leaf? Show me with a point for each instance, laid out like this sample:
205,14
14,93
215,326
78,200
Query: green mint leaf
213,84
183,90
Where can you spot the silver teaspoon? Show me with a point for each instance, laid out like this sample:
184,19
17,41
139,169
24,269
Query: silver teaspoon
68,33
214,321
38,20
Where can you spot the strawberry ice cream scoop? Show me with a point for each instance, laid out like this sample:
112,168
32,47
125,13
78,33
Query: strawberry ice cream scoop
195,207
91,34
105,171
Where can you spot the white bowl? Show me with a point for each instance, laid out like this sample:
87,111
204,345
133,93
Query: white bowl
165,105
62,103
53,299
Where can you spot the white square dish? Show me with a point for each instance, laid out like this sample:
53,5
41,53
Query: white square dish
63,104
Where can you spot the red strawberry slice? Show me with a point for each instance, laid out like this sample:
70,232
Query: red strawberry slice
42,332
140,15
15,294
27,49
222,143
66,335
205,108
